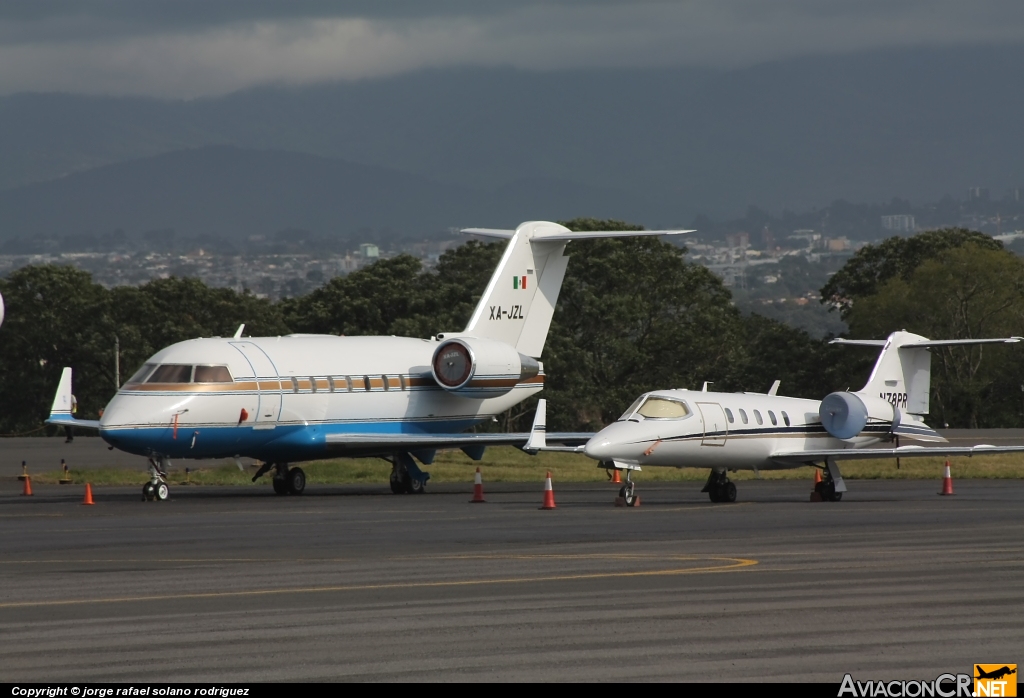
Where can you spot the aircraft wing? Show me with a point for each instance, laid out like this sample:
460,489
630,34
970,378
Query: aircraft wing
901,452
60,411
415,441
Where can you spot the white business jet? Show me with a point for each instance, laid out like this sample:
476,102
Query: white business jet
752,431
302,397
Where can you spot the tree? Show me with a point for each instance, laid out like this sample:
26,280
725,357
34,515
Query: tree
895,257
56,317
964,292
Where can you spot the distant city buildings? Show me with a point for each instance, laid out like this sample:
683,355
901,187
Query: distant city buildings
977,194
901,223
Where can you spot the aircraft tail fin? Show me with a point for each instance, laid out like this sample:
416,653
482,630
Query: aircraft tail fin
902,373
519,302
63,409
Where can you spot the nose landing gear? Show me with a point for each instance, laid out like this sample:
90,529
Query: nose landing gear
156,489
719,487
628,491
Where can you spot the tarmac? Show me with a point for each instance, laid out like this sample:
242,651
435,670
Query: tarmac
354,583
84,452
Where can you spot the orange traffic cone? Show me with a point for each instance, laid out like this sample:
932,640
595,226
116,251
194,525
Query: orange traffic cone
549,494
815,494
616,480
27,491
947,481
88,494
478,489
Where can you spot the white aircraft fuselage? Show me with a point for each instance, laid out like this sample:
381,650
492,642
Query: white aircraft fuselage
731,431
286,397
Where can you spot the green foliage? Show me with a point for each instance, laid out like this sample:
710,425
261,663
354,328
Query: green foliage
895,257
970,291
632,316
396,297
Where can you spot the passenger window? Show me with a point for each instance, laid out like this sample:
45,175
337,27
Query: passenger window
295,384
743,416
387,384
171,373
728,414
366,382
771,416
312,383
401,381
212,374
785,418
330,384
757,416
660,408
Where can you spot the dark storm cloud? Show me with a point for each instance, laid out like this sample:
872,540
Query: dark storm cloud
193,47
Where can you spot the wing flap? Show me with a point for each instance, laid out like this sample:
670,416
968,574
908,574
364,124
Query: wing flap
901,452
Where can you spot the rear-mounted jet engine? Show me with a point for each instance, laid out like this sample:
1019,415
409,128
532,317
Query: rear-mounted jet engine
480,368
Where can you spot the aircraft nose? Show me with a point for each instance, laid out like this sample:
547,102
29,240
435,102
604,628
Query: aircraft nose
599,447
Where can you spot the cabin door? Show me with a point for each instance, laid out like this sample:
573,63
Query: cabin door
269,385
716,429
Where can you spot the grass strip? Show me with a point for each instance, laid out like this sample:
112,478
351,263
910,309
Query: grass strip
507,464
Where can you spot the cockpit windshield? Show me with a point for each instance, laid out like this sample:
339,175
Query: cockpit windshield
181,373
663,408
629,411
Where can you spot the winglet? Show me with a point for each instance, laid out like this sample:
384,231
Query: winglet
64,402
774,390
538,432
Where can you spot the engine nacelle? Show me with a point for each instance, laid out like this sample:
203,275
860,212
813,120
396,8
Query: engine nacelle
480,368
844,415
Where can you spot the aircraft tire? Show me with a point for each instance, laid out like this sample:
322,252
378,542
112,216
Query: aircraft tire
414,486
280,487
296,480
628,495
148,492
396,483
161,492
835,496
713,495
728,493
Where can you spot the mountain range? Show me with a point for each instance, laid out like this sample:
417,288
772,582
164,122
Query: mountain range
444,148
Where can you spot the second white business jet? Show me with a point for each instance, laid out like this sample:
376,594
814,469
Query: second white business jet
303,397
751,431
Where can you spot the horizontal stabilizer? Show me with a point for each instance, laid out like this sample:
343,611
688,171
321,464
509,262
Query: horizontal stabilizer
936,343
489,232
599,234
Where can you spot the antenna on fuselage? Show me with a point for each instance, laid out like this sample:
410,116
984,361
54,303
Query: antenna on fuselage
774,390
238,332
706,384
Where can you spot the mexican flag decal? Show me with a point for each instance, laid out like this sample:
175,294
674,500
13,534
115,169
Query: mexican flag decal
518,282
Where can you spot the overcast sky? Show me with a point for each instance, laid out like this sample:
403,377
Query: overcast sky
189,48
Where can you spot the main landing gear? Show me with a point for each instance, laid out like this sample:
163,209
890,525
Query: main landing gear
286,480
406,476
156,489
828,488
719,487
